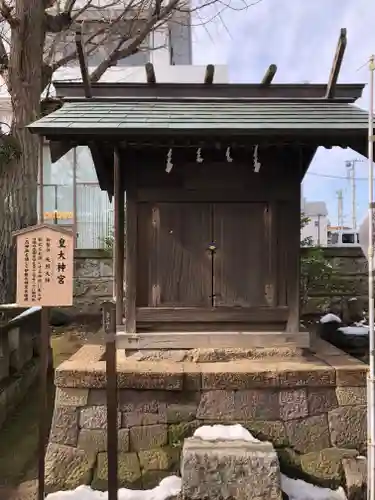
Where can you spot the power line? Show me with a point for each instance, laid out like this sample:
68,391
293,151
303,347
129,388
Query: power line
345,178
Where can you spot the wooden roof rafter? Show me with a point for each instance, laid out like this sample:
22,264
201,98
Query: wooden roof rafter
151,76
269,75
336,65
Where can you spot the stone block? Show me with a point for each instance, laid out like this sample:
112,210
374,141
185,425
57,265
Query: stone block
64,416
355,476
95,417
148,436
97,397
71,397
219,377
351,396
138,418
178,432
129,472
192,377
348,427
216,405
325,467
159,459
310,434
142,401
229,470
256,405
321,400
293,404
312,377
268,431
64,435
67,467
157,378
95,440
152,478
176,413
348,376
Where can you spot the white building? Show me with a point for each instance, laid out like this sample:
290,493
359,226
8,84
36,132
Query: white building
169,48
317,227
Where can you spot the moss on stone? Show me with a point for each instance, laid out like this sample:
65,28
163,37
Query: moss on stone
162,459
129,472
152,478
268,431
178,432
325,467
322,468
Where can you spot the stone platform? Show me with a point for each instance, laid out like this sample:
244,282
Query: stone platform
311,406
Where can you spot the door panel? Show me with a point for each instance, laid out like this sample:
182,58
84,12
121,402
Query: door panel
181,265
238,260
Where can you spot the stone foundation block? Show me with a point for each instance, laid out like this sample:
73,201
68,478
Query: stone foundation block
129,472
71,397
321,400
351,396
148,437
348,427
163,459
95,417
355,475
310,434
229,470
95,440
67,467
293,404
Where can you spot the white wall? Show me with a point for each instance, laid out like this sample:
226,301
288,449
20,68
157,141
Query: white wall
316,229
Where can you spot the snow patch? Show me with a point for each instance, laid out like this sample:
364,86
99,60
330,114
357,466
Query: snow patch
168,487
224,433
296,489
354,330
329,318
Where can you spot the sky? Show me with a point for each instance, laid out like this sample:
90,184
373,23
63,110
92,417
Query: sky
300,37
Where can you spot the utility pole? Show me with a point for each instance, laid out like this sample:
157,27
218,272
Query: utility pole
340,203
351,174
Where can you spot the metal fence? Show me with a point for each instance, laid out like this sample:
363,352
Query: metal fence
94,212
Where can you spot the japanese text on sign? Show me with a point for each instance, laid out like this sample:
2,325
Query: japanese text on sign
44,266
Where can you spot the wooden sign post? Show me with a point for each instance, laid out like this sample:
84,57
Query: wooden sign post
45,279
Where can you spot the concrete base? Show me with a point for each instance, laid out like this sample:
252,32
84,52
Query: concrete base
303,404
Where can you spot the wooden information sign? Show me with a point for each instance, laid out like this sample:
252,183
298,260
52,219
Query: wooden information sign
44,266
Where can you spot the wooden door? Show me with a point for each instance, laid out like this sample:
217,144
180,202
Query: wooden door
239,271
181,264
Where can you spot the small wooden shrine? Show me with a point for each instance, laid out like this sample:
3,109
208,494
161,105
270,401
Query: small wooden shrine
212,176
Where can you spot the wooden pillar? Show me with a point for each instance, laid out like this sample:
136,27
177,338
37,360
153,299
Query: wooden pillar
293,224
131,261
118,254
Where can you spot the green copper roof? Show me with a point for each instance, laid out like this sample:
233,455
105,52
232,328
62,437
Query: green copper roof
93,117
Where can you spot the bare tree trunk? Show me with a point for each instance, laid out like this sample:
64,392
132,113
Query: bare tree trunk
18,179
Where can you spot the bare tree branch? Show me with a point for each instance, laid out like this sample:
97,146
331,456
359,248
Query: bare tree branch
58,23
6,11
132,46
4,58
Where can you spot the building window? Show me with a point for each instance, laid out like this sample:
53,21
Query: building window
72,181
348,238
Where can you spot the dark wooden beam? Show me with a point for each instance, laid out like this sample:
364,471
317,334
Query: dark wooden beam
269,75
131,260
59,149
83,63
336,65
119,243
349,92
150,73
209,75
